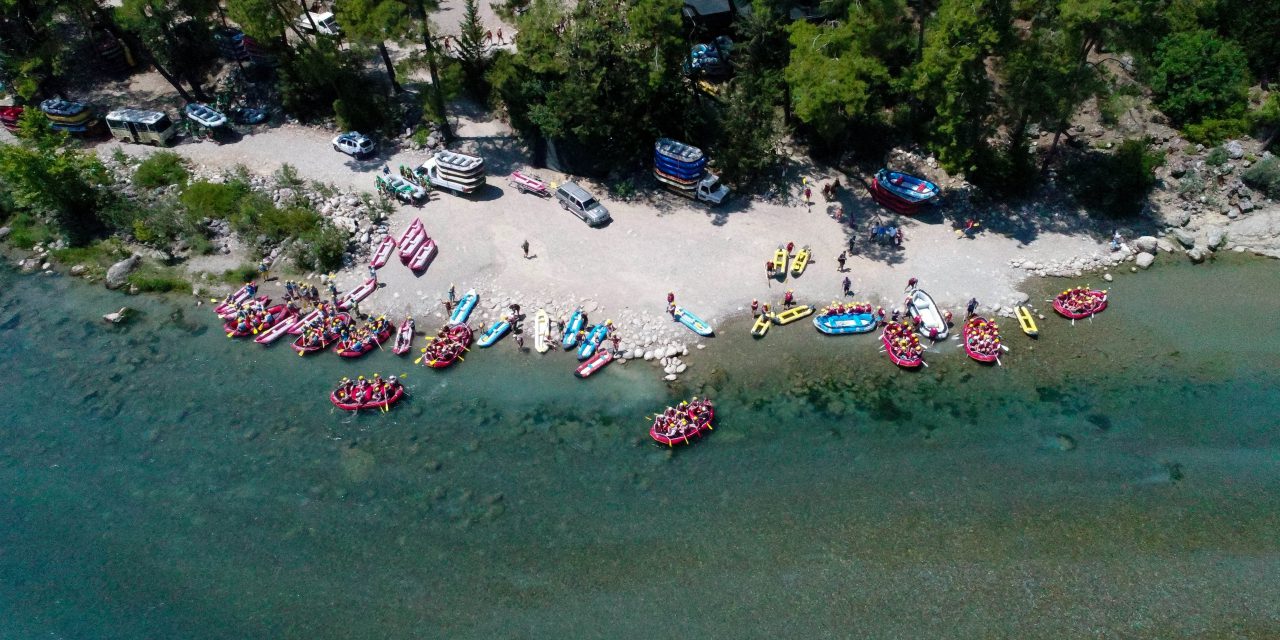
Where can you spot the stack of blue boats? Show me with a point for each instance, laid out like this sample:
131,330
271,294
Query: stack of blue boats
677,164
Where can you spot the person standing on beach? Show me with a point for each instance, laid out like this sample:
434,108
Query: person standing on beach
973,305
840,261
911,284
453,294
671,298
525,247
790,248
788,299
848,286
755,307
768,269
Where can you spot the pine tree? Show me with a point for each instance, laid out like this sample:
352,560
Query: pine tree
472,49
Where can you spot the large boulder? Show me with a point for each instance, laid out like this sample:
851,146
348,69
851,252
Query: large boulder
1235,150
1184,238
1145,259
1214,238
1196,254
119,272
1146,244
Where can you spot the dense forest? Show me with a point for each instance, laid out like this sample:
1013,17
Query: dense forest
975,83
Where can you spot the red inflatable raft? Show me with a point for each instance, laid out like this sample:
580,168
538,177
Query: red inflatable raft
379,330
677,425
358,294
595,363
404,337
1080,302
383,253
327,337
904,356
229,303
354,396
279,313
447,347
982,339
423,256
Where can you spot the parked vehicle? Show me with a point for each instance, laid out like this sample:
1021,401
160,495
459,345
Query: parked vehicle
354,144
577,201
456,172
141,125
682,169
324,23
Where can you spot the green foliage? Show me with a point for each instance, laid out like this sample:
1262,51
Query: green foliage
952,77
287,176
472,52
747,145
44,175
1214,130
1200,76
161,169
177,33
1264,176
26,231
97,256
209,200
606,87
1116,184
833,80
320,249
158,280
1217,157
33,49
241,274
327,81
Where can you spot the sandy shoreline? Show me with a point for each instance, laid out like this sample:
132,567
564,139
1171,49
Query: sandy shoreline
712,259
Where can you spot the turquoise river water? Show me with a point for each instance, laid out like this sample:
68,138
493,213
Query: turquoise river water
1115,479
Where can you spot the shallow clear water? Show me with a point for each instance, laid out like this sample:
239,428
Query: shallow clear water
1116,479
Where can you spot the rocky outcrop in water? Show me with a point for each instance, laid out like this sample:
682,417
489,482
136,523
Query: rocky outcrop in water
118,274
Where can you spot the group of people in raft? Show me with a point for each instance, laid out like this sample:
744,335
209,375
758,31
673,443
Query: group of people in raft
252,316
1080,300
982,335
366,392
684,419
325,328
366,338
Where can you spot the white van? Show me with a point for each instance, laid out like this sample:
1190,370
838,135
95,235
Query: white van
324,23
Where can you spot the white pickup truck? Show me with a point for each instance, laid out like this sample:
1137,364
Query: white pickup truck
324,23
456,172
708,189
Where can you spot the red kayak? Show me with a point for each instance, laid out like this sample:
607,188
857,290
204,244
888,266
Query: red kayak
982,340
379,330
327,337
383,253
278,314
447,347
677,425
908,355
358,294
423,256
355,396
1080,302
404,337
594,363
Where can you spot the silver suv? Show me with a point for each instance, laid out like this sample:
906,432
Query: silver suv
577,201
